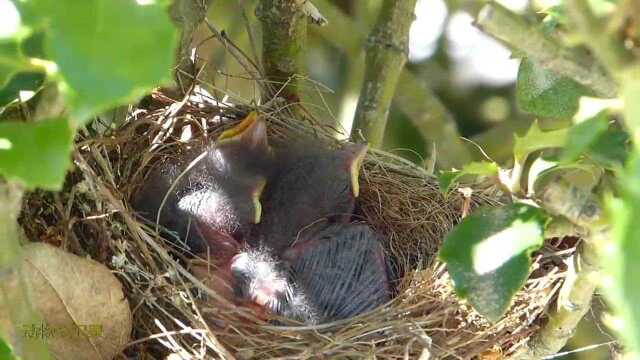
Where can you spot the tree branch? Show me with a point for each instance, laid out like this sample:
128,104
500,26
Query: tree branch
423,108
580,208
387,48
547,53
284,31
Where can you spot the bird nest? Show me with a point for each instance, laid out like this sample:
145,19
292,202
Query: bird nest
92,216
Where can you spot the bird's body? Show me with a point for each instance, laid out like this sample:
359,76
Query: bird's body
290,252
214,188
311,185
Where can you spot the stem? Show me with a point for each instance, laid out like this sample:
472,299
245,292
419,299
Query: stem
387,48
284,31
433,121
547,53
579,207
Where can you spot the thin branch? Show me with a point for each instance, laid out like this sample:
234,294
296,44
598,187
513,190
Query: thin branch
284,32
530,39
580,207
387,48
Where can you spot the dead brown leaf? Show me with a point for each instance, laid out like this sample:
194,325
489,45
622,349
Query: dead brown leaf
84,311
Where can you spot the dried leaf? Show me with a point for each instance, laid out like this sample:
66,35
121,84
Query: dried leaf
84,311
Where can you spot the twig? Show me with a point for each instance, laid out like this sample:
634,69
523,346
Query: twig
284,31
579,207
387,48
547,53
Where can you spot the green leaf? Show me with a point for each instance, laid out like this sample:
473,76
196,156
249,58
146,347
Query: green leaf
24,81
582,135
5,351
482,168
535,139
488,255
610,150
11,60
36,154
620,257
545,94
108,51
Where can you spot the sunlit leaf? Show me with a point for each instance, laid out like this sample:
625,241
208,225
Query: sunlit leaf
582,135
620,257
482,168
36,154
108,51
488,255
545,94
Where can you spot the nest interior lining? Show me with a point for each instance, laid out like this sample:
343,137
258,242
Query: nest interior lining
92,216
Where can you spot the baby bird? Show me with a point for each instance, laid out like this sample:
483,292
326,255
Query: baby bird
311,184
217,189
342,270
338,273
254,279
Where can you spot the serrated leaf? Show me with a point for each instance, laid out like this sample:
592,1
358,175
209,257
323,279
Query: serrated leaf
582,135
108,51
24,81
482,168
545,94
535,139
36,154
620,256
488,255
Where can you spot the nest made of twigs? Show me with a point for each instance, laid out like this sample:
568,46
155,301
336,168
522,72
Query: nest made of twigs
92,216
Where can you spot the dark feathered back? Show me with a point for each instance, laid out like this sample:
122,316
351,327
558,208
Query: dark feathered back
342,269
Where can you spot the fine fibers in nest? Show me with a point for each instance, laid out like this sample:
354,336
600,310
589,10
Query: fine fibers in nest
92,217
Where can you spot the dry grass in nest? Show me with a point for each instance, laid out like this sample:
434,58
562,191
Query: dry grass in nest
92,216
